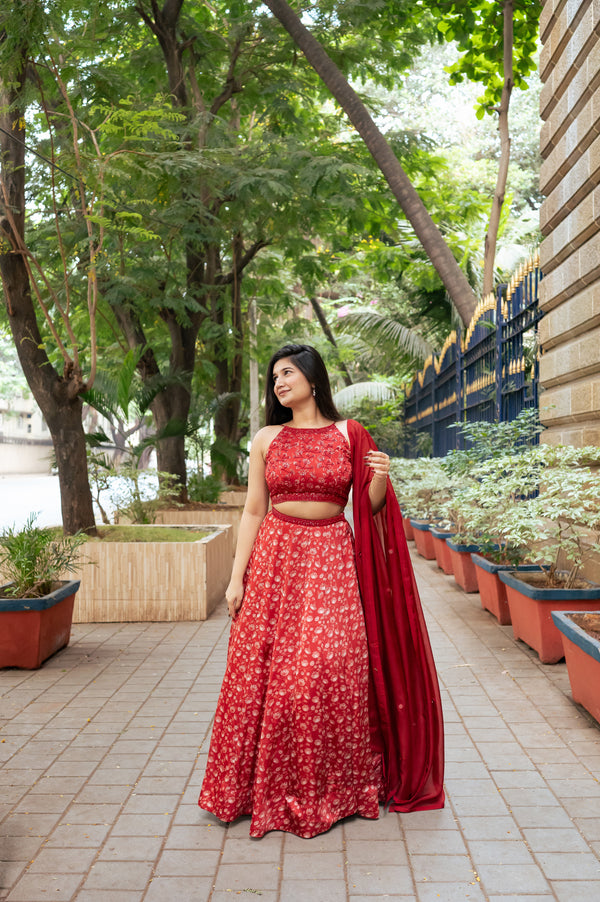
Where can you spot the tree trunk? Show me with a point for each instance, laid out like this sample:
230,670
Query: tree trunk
491,238
320,314
57,396
427,232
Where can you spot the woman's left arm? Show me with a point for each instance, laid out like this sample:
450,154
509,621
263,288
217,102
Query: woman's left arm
380,465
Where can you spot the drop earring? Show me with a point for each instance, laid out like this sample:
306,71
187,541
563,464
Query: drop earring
314,391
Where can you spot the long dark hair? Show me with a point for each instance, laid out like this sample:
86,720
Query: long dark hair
310,363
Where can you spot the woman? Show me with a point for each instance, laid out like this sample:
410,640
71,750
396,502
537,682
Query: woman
330,700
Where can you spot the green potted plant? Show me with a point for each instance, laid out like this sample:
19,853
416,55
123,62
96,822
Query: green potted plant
421,487
560,528
494,471
36,603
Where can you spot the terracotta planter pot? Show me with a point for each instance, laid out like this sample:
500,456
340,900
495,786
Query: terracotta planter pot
442,552
423,539
33,629
408,530
582,654
491,588
531,612
462,565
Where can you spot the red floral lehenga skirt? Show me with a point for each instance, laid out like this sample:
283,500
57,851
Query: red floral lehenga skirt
290,743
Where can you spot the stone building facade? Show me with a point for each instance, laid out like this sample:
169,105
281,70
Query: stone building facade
570,221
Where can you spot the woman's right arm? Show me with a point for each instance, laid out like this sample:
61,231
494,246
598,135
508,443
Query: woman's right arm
255,510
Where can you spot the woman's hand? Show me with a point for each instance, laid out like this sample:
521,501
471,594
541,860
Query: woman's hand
378,462
380,465
234,595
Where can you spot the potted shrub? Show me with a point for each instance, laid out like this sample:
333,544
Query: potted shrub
560,528
580,633
421,486
36,603
496,471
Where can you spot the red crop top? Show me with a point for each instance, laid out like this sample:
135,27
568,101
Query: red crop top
309,465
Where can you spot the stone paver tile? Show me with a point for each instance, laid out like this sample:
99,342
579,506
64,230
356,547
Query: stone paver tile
332,841
41,887
90,813
554,840
29,824
322,866
441,819
175,862
63,861
582,807
194,837
510,851
309,890
575,890
163,784
546,897
521,779
18,848
570,865
105,776
379,851
43,804
589,826
486,806
512,878
379,879
78,835
434,842
99,895
119,875
182,889
265,896
151,804
246,875
538,798
238,850
141,825
442,868
10,871
186,814
546,816
116,794
450,892
131,848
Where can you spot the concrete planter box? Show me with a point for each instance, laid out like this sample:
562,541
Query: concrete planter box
442,552
33,629
423,538
407,527
462,565
149,581
222,514
491,588
582,654
531,612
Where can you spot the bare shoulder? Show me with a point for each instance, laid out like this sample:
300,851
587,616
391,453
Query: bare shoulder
264,437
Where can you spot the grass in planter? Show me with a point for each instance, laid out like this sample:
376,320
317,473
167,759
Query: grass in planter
137,533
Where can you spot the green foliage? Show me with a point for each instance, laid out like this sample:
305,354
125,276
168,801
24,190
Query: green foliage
477,27
486,441
206,488
34,559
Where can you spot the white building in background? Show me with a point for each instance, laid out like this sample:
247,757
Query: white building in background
25,442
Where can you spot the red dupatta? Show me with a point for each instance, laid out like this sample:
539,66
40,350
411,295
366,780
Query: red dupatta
404,698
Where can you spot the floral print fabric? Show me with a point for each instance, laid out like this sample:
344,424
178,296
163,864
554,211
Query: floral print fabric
290,742
310,465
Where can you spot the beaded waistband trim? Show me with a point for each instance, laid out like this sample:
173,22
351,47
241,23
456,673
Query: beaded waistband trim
303,521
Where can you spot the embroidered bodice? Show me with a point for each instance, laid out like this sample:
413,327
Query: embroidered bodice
309,465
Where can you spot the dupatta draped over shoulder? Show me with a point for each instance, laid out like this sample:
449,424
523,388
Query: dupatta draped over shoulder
404,700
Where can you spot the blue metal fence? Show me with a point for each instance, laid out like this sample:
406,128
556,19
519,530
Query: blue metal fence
489,375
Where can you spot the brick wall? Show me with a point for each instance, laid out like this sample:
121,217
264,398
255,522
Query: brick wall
570,221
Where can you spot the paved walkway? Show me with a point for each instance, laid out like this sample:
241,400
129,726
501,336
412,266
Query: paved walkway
100,771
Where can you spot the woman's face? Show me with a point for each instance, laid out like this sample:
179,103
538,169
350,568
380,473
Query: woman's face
290,384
